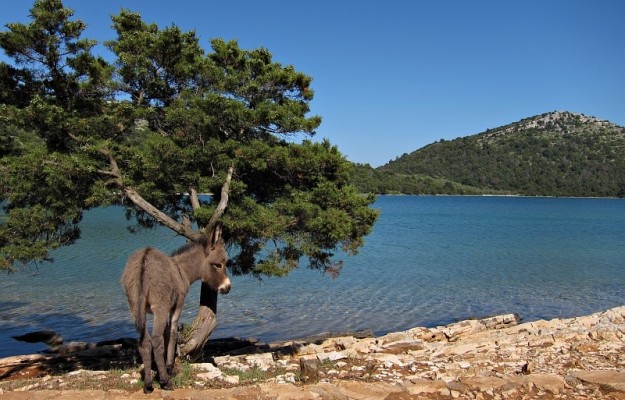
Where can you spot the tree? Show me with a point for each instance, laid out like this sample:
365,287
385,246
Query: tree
162,123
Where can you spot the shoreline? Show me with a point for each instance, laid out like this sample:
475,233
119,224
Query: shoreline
496,357
502,195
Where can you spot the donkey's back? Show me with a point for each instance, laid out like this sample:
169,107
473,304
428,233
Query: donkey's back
151,280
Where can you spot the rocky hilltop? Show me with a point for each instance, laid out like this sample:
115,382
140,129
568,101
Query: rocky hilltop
558,153
490,358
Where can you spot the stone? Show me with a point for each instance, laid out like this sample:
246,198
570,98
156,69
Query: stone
501,321
309,349
309,369
402,346
205,367
340,343
392,359
612,380
327,391
550,383
428,334
454,331
231,379
372,391
332,356
483,383
364,346
229,362
421,386
263,361
208,376
541,342
586,347
456,386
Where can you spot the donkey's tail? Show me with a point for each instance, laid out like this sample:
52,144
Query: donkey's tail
132,281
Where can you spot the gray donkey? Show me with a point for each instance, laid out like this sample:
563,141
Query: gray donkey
158,284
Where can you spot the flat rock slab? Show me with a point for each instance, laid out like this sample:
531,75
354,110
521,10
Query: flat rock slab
611,380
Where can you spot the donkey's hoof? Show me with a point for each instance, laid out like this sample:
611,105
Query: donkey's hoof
148,389
167,385
170,371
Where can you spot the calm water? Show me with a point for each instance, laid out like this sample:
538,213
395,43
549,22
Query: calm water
429,261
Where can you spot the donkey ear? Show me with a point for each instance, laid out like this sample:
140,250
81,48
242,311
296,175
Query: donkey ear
216,234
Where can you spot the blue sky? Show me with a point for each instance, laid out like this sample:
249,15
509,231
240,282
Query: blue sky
393,76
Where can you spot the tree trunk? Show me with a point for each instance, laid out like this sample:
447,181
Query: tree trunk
204,323
206,320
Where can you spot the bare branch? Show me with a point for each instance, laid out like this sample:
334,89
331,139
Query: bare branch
114,172
109,173
195,202
223,202
179,228
184,229
186,222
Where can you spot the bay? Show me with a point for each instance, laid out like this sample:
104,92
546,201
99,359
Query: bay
430,260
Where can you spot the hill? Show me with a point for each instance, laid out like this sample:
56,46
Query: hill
554,154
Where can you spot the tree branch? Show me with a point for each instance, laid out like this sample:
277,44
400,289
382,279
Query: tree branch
184,229
114,172
179,228
223,202
195,202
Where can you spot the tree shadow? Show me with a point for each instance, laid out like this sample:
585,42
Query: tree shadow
60,356
106,355
236,346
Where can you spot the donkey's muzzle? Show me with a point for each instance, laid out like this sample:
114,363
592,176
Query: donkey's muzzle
225,287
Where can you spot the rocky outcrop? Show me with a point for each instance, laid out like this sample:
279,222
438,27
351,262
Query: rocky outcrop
491,358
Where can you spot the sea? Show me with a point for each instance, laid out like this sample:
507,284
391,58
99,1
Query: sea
429,261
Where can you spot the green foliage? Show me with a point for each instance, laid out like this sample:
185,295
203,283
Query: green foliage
302,205
164,119
253,374
381,181
185,375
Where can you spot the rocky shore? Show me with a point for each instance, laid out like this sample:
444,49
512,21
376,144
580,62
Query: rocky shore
490,358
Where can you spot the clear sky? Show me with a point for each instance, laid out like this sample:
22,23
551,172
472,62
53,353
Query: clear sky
392,76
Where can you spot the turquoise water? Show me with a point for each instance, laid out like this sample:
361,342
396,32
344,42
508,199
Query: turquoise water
428,261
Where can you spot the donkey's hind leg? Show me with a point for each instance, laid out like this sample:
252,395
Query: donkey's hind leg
172,335
145,350
158,345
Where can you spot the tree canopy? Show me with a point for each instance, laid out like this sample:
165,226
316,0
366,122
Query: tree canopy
161,123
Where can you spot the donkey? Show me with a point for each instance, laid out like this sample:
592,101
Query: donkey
158,284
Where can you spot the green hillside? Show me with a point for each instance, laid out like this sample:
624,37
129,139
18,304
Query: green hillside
553,154
370,180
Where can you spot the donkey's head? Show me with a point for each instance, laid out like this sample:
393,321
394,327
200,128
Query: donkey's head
214,272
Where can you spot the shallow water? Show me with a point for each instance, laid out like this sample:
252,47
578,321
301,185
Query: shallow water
428,261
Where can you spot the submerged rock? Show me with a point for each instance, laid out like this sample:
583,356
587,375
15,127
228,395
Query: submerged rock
50,338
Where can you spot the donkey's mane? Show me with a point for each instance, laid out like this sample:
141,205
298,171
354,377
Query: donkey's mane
202,241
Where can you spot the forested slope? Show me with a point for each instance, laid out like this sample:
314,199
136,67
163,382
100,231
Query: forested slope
553,154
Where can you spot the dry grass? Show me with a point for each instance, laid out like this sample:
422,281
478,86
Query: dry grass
78,380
